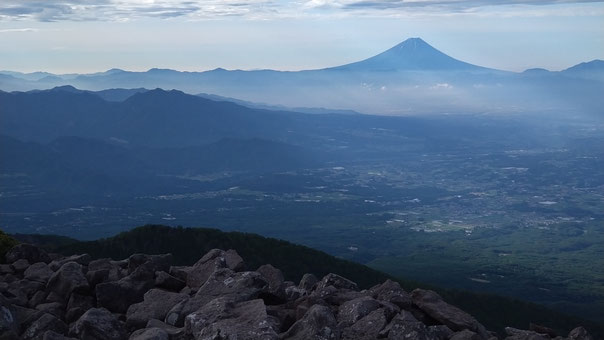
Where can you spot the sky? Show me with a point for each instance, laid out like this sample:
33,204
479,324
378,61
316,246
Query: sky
85,36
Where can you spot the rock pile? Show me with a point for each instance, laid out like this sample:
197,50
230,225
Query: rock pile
50,297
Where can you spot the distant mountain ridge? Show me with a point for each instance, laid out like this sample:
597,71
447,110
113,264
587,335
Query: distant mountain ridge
410,78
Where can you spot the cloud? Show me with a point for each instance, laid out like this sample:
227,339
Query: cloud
18,30
120,10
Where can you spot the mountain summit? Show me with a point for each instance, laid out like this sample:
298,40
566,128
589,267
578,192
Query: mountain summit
413,54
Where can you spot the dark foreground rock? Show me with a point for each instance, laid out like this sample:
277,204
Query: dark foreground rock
144,297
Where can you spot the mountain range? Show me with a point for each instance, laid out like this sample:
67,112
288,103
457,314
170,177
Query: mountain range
411,77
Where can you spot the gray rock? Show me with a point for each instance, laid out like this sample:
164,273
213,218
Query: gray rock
6,269
233,261
38,298
454,318
465,335
353,310
39,272
225,282
104,270
579,333
224,319
276,288
367,328
440,332
156,304
392,292
406,327
46,322
520,334
205,267
27,252
27,287
308,282
172,331
180,272
83,259
117,296
54,308
337,281
293,293
68,279
98,324
8,316
78,305
20,265
150,334
317,324
151,263
169,282
51,335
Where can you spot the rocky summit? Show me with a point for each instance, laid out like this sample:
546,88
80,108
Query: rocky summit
144,297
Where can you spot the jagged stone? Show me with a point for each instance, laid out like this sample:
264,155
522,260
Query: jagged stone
8,316
51,335
54,297
454,318
25,316
233,261
308,282
39,272
367,328
337,281
156,304
284,317
317,324
180,272
579,333
78,305
205,267
27,252
223,319
68,279
520,334
440,332
465,335
293,293
117,296
54,308
20,265
406,327
46,322
82,259
172,331
36,299
353,310
152,263
149,334
391,291
542,330
276,288
98,324
27,287
6,269
169,282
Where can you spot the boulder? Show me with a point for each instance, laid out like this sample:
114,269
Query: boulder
98,324
579,333
52,335
317,324
27,287
225,282
275,293
352,311
77,305
205,267
54,308
406,327
150,334
465,335
103,270
8,316
308,282
36,299
233,261
117,296
172,331
46,322
224,319
156,304
169,282
68,279
39,272
27,252
454,318
83,259
367,328
20,265
391,291
520,334
152,263
337,281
